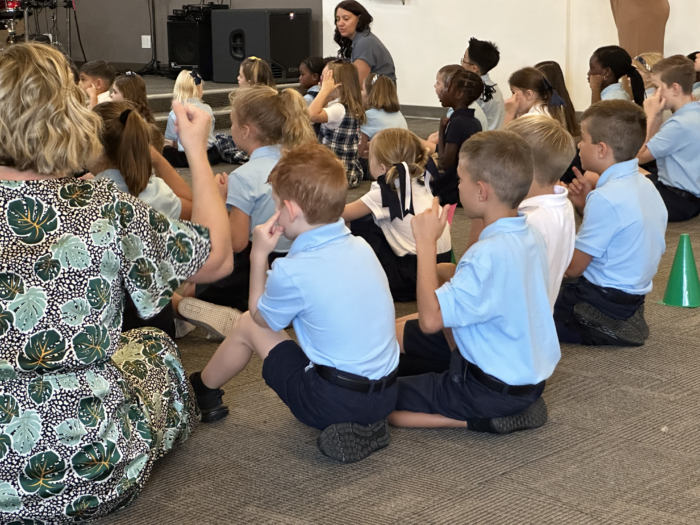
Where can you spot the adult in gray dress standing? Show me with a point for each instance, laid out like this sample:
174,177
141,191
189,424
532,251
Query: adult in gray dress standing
358,43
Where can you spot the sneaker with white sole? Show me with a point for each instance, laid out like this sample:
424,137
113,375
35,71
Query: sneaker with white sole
218,320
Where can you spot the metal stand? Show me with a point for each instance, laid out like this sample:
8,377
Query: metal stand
153,67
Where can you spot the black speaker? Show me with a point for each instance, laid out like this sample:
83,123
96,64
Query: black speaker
189,46
281,37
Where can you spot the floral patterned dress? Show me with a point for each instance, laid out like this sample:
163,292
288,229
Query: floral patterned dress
84,409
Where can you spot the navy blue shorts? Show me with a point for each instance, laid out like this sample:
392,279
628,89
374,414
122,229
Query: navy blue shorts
315,401
453,393
610,301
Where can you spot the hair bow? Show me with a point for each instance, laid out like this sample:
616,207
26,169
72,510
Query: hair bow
196,77
398,199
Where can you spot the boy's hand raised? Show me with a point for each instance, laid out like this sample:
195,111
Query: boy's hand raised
193,126
428,226
654,105
265,236
581,186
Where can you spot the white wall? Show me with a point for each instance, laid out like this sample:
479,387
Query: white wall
425,35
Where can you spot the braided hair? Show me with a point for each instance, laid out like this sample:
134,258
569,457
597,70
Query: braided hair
466,81
620,63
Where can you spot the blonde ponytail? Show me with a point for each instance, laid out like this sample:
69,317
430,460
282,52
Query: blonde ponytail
279,118
394,146
126,141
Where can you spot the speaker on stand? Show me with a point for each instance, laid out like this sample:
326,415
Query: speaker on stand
281,37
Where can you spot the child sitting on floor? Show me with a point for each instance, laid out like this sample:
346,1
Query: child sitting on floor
337,378
490,327
607,66
189,89
674,143
480,58
622,238
397,162
263,121
253,71
310,71
96,78
533,94
130,87
339,109
457,88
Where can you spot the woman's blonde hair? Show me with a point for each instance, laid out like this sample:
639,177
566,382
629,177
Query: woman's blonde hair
381,93
257,72
126,143
279,117
44,124
186,86
394,146
349,92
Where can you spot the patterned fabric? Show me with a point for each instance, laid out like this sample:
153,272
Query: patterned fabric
84,409
228,150
343,141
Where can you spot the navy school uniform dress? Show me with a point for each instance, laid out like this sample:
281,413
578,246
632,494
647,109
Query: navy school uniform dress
336,373
498,308
463,124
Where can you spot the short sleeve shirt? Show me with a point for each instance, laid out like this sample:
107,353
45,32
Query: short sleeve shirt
366,46
675,148
614,92
335,112
696,90
378,119
623,230
318,289
157,194
249,191
171,132
497,304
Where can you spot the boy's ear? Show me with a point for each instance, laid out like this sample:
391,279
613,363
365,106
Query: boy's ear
603,150
293,209
484,191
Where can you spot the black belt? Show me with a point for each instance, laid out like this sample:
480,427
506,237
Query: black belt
499,386
333,375
683,193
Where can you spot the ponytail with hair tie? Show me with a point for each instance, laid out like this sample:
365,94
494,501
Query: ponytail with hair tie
398,199
555,99
124,115
489,91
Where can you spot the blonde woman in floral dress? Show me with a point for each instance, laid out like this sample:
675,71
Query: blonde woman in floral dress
84,409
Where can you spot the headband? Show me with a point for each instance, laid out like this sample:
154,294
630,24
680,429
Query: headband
398,199
555,99
643,62
196,77
375,79
124,115
253,58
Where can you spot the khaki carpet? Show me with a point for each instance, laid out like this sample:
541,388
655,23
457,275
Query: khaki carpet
621,446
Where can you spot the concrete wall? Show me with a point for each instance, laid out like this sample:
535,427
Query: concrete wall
111,29
424,35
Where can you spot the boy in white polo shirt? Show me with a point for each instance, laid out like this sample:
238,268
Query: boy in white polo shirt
337,378
547,206
674,143
495,308
621,239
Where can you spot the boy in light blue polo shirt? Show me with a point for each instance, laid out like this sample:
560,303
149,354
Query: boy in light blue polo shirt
621,239
674,143
337,377
492,321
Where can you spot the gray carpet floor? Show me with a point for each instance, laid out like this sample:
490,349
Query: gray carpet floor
621,445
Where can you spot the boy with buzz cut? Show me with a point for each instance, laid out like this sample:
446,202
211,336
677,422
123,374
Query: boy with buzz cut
95,79
338,378
622,237
492,320
481,57
674,143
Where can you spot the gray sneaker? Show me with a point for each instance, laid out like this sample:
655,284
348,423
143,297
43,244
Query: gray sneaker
352,442
218,320
618,332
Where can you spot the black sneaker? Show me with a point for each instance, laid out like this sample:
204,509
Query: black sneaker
210,401
351,442
606,330
533,416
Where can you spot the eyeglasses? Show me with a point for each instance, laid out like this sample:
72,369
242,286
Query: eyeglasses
466,63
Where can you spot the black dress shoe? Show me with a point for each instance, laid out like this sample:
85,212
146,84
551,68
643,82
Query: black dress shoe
210,400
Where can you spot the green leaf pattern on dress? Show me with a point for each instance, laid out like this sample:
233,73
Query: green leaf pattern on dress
83,411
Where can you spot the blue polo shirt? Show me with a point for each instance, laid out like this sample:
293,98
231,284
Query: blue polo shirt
378,120
319,289
614,92
675,148
497,304
623,229
249,191
696,90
